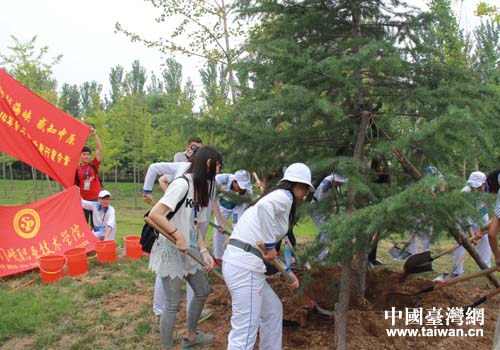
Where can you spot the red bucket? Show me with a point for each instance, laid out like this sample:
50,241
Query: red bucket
51,268
133,248
106,251
77,261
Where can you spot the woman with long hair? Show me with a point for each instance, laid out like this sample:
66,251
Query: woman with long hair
168,261
255,306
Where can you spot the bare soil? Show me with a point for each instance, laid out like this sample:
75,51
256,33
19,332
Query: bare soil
367,324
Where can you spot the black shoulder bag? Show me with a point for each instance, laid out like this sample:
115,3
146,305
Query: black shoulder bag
149,235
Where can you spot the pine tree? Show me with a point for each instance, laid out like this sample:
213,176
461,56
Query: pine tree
339,84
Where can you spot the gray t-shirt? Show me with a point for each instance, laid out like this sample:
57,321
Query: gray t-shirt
180,157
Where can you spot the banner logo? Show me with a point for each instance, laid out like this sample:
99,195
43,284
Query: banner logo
27,223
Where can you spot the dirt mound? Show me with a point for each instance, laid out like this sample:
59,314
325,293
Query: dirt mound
368,323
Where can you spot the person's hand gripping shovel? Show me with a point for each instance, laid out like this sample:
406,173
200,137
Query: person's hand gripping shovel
293,284
172,239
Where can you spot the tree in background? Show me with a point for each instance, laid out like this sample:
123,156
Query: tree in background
28,65
69,100
215,87
211,27
117,86
485,10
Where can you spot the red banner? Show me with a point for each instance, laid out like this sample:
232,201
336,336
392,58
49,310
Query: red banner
37,133
47,227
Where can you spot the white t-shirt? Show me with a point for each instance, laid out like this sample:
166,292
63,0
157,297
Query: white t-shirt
266,221
165,259
101,219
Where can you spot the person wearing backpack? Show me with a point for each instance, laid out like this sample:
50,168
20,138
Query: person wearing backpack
169,262
87,175
255,306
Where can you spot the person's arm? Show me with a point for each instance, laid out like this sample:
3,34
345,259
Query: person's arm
154,170
169,200
221,220
158,215
88,205
204,252
98,145
493,238
163,182
110,223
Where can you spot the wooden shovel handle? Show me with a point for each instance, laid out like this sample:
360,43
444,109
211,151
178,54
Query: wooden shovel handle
446,252
256,177
172,239
466,277
456,246
276,263
482,299
259,183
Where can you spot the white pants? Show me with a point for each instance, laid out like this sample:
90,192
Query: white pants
255,307
413,246
483,249
220,238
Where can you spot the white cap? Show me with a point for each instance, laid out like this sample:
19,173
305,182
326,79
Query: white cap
242,177
476,179
339,178
104,193
299,172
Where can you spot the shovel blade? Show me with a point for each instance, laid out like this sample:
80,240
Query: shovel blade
442,278
417,263
397,253
319,311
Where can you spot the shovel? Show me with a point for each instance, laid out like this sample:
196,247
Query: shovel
445,276
482,299
422,262
397,253
313,305
440,285
226,232
172,239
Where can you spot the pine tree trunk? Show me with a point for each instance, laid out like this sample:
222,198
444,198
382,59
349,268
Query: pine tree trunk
473,253
361,257
342,306
360,268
